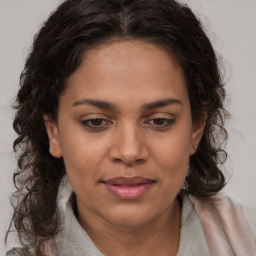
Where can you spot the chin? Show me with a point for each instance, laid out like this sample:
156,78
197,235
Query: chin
128,217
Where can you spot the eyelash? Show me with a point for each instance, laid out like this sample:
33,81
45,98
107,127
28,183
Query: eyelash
89,123
165,123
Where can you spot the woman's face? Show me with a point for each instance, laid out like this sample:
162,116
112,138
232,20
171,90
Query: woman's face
125,132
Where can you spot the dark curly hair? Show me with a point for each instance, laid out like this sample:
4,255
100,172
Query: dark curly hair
75,27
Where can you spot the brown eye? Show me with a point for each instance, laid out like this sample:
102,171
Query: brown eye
95,123
160,124
159,121
162,121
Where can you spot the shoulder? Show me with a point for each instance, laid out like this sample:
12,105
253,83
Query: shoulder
237,214
239,211
250,216
227,225
18,252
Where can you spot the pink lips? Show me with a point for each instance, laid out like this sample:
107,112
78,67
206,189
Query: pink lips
128,187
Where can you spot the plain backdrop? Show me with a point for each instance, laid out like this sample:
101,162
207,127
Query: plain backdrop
230,25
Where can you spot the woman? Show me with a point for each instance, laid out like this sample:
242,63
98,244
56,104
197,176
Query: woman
120,124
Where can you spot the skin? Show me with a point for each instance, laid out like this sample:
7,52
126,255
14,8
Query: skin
132,138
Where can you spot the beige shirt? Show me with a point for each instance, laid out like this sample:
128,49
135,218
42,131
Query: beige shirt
74,241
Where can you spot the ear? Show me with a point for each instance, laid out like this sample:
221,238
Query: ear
53,136
197,131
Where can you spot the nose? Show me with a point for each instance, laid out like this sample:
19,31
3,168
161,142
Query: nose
129,146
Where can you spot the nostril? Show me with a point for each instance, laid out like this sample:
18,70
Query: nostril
129,163
118,160
140,160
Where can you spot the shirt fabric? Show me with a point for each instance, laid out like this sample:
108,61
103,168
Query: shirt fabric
76,242
203,232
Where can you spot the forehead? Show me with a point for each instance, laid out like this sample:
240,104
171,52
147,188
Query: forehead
127,70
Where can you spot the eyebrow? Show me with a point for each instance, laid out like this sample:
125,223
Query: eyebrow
96,103
161,103
107,105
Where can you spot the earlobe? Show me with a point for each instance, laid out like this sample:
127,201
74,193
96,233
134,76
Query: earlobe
53,136
197,131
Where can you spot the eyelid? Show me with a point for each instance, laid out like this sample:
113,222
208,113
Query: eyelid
168,121
86,122
167,118
153,115
95,119
94,115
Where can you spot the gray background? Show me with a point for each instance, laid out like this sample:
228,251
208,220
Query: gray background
231,26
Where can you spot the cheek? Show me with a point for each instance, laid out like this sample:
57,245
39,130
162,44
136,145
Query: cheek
81,149
78,160
173,175
175,164
81,168
85,158
173,157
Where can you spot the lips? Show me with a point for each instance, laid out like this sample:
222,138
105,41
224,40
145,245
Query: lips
128,187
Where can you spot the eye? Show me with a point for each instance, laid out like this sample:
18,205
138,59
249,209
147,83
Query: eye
161,123
96,123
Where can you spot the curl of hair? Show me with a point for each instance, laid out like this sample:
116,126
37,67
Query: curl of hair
75,27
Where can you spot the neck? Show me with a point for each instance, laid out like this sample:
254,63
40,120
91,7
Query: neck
157,237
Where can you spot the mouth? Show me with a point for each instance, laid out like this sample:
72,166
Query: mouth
128,187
